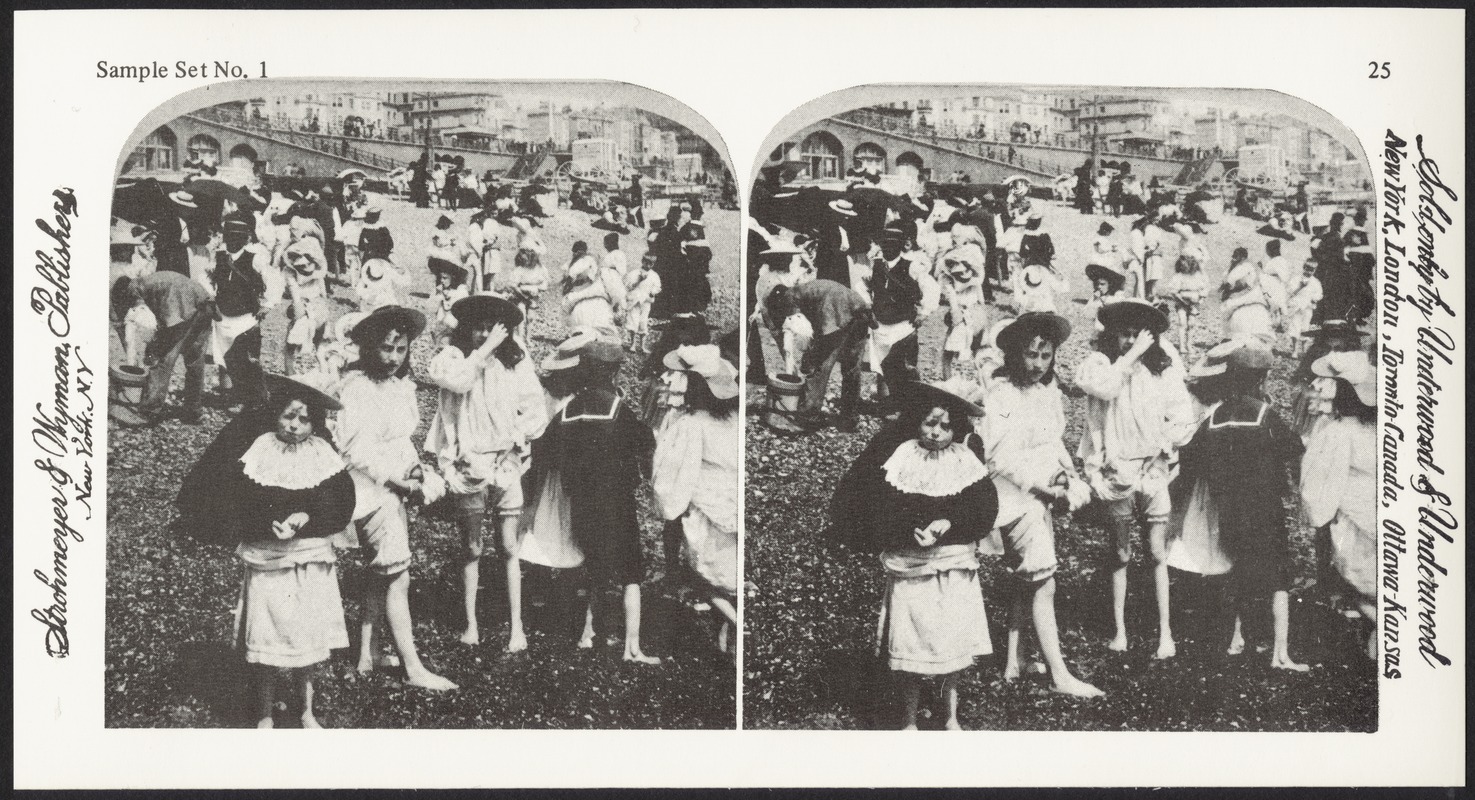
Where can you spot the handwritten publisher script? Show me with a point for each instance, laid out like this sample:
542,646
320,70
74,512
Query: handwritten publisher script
1415,546
62,424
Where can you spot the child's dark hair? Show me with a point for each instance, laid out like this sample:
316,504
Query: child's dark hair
509,352
679,331
526,258
1155,359
1240,254
781,304
909,422
1013,368
699,397
370,351
271,410
581,247
1272,248
1346,403
587,374
1187,265
611,241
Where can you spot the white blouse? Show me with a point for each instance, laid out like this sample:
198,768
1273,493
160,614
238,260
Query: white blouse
696,466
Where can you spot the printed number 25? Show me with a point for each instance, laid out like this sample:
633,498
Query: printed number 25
1380,70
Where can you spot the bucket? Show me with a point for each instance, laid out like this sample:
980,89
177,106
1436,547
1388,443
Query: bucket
784,391
127,384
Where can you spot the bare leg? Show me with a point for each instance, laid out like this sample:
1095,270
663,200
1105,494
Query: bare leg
632,627
1119,584
304,688
586,639
1280,609
401,627
1048,632
911,694
947,364
1017,611
1157,535
950,699
369,630
289,359
1237,641
470,524
266,696
517,641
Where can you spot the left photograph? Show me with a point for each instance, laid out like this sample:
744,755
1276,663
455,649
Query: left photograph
423,410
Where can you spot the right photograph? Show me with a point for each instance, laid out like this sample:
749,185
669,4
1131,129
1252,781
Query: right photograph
1061,407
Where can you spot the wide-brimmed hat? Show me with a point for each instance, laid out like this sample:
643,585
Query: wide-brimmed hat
1053,327
1232,355
440,266
372,215
282,389
1353,367
486,307
343,326
581,345
1333,327
1012,179
184,198
141,233
1112,275
893,233
443,223
1133,313
919,392
842,206
238,221
781,248
705,360
376,263
387,318
358,213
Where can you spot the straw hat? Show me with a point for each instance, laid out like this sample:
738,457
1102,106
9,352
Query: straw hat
489,307
282,389
1133,313
1053,327
387,318
918,392
1232,354
1352,367
582,344
842,206
184,198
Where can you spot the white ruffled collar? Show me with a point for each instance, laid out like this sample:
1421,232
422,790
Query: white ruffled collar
272,462
935,473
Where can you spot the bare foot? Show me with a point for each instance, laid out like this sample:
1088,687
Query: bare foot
1236,645
430,680
640,658
586,642
1165,649
952,725
910,727
1285,662
1075,687
1011,671
1038,667
471,636
518,642
389,660
309,721
266,722
1119,644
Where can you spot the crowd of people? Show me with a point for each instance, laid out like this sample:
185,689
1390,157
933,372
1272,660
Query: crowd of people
544,460
1181,445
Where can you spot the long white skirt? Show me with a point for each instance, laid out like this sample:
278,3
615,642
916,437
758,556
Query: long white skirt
290,617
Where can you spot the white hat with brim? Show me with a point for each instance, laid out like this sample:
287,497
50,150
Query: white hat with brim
918,392
1351,366
842,207
184,198
1232,354
705,360
582,343
1010,181
781,248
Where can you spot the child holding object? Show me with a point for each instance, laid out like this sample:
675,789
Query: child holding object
1024,440
491,407
1239,457
1303,293
275,483
450,287
920,496
1183,293
641,288
694,474
1138,413
374,428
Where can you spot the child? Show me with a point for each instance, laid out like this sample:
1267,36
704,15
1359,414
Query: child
1183,293
334,355
614,257
275,482
1337,479
665,389
380,285
138,323
1108,284
599,451
450,287
1238,457
491,407
242,298
1024,439
694,475
1246,308
482,255
527,238
1037,281
1138,413
963,290
920,496
1303,295
375,240
1104,252
444,244
641,288
143,262
310,309
587,299
351,236
379,416
524,285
